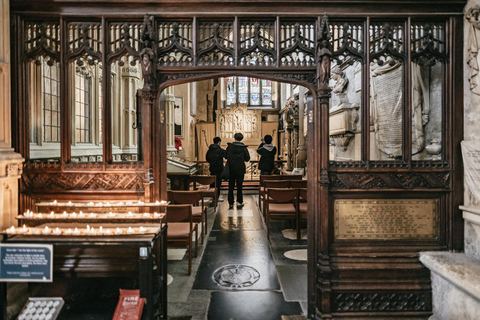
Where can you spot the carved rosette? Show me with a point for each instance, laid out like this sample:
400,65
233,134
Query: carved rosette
13,170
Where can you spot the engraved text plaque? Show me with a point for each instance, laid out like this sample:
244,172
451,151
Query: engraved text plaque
385,218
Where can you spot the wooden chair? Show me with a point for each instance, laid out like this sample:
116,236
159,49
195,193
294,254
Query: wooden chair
273,184
204,183
281,204
298,184
302,207
261,187
195,198
180,229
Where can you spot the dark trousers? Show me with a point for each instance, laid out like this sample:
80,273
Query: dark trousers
219,183
264,172
231,186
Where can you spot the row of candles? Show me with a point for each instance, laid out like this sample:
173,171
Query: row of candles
75,232
106,204
81,215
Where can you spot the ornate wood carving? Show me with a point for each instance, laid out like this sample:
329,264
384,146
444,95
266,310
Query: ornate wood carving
175,44
390,180
381,302
257,44
42,39
85,40
148,55
428,43
216,44
324,53
125,39
297,44
59,182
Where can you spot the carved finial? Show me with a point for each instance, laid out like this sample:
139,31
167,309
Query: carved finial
324,52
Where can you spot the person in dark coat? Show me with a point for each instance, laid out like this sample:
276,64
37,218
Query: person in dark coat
214,156
237,155
267,152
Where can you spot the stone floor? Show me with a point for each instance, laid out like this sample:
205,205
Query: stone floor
239,274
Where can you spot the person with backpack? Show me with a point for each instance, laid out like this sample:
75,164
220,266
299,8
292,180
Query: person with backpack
214,157
237,155
267,152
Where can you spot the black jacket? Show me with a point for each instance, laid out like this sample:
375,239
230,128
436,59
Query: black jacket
237,154
214,156
267,160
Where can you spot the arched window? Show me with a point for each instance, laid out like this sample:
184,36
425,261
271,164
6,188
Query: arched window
251,91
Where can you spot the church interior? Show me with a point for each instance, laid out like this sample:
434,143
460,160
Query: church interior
371,211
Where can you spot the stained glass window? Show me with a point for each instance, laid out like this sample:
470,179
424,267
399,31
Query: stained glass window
266,92
231,90
251,91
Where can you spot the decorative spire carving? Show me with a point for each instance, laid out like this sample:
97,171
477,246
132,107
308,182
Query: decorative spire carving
324,53
147,55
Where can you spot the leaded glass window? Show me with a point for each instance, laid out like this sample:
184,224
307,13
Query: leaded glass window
82,108
51,102
250,91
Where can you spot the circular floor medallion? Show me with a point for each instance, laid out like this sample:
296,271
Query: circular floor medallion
236,276
300,254
169,279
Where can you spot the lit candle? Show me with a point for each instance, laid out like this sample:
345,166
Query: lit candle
58,231
55,202
24,229
69,203
92,231
11,230
111,214
107,204
52,215
46,230
76,231
140,202
64,214
129,214
73,215
100,230
130,230
157,202
163,202
120,203
146,215
81,214
69,232
156,215
93,215
142,229
39,215
128,202
90,204
88,228
118,231
99,204
108,231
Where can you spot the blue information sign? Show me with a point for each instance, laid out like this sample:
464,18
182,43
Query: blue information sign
26,262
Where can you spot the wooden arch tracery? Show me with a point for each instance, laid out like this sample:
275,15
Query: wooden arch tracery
199,47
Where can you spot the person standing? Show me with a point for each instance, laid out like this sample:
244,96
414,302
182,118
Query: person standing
214,156
237,155
267,152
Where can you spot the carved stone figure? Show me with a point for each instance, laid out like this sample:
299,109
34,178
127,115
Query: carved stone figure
148,71
340,87
472,16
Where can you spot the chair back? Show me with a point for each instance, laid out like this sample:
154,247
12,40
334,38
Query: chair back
281,195
276,184
298,184
266,177
303,194
179,213
185,197
291,177
203,180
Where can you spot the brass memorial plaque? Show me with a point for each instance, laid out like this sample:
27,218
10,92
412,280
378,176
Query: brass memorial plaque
385,219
